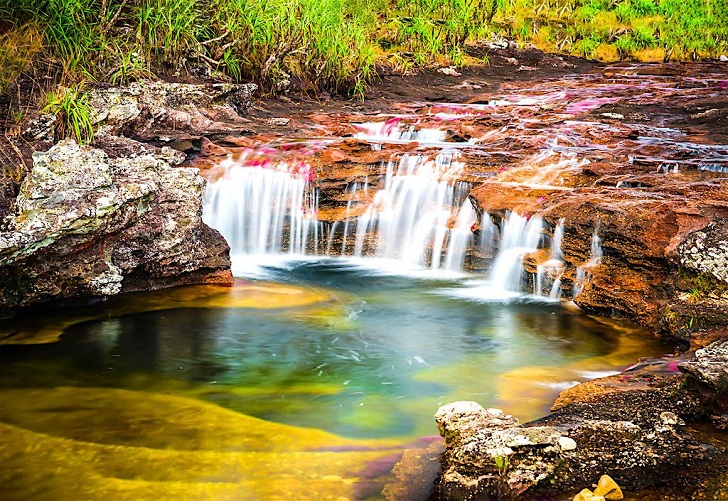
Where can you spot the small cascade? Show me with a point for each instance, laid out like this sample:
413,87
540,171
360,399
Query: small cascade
548,274
582,272
264,209
409,219
460,236
393,130
353,196
519,236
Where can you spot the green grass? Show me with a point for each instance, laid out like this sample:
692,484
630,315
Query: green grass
334,44
73,117
624,29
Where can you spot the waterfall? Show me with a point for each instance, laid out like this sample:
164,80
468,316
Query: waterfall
519,236
421,217
263,210
392,130
596,254
409,219
460,236
265,203
558,238
548,273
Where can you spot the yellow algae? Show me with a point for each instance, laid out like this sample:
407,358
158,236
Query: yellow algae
256,295
139,419
38,466
99,443
268,389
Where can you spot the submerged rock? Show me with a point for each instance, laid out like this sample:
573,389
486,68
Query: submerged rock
85,226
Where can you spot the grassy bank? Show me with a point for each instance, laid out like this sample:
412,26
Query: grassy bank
329,44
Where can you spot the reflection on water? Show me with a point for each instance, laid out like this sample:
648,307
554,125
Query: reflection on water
335,352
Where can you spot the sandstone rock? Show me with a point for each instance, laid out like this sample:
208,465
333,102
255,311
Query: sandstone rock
86,226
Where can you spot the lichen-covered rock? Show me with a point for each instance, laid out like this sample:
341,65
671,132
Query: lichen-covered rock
86,226
707,250
710,366
163,111
631,426
489,452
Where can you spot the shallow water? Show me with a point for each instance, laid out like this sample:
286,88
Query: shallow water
154,397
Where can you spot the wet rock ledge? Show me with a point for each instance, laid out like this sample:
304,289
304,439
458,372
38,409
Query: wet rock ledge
636,427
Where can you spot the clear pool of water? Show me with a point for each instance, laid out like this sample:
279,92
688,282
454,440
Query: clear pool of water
326,355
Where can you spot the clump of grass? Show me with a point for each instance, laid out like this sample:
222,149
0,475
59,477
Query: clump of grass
73,115
609,29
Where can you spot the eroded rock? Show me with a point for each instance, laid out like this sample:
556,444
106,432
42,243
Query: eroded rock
87,226
632,425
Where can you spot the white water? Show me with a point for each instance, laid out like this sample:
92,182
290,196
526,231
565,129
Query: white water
548,273
392,130
583,272
409,219
519,236
263,211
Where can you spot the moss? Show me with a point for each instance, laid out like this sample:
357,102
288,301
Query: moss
700,285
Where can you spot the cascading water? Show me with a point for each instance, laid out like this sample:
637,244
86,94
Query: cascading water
596,254
392,130
460,236
270,208
548,274
410,216
519,236
264,209
265,204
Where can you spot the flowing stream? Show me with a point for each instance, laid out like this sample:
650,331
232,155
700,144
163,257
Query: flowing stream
313,375
315,371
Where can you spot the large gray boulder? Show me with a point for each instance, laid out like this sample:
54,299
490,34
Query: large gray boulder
85,226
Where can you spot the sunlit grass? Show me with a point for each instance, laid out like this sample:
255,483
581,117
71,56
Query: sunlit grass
335,44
